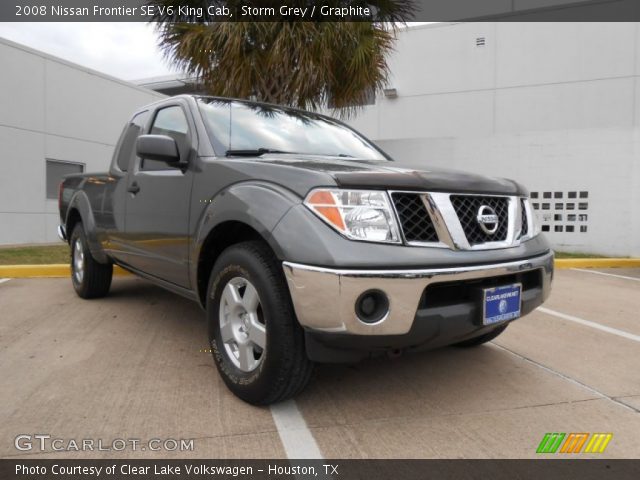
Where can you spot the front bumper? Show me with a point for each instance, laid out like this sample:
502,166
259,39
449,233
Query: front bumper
324,298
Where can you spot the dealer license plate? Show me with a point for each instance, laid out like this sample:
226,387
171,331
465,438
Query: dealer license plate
501,303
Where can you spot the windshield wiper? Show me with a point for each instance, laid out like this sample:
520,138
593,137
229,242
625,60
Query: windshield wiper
254,152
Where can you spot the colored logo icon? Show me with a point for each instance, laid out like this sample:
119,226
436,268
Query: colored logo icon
574,443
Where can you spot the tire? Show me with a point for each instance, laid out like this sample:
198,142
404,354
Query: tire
90,279
256,341
487,337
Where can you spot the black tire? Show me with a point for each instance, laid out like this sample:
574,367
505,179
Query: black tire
283,369
487,337
95,279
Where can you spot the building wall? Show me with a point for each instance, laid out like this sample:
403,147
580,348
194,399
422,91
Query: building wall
52,109
552,105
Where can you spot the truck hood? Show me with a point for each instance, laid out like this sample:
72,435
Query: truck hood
395,175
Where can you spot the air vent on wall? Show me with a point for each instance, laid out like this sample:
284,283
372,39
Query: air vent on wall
554,220
480,41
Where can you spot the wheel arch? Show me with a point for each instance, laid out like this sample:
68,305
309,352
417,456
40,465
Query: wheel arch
80,211
73,217
242,212
219,238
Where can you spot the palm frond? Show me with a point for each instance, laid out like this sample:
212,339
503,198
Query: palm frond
301,64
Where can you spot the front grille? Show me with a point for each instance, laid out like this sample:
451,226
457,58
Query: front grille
414,218
525,223
467,208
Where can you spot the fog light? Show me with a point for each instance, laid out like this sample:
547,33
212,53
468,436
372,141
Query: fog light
372,306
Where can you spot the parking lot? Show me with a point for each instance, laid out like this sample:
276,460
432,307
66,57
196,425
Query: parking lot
134,365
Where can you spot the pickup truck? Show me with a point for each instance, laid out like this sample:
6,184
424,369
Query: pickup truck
302,241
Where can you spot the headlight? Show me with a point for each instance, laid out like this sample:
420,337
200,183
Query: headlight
357,214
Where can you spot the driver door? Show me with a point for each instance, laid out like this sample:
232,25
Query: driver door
157,204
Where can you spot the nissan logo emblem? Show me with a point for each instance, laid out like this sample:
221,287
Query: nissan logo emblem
487,219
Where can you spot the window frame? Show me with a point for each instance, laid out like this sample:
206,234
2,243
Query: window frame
115,166
189,138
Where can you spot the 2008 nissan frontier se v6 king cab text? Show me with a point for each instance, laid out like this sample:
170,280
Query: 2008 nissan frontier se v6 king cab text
301,239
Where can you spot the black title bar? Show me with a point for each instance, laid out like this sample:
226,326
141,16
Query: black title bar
547,469
308,10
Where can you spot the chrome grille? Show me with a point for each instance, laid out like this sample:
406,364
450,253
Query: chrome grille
525,224
467,207
414,218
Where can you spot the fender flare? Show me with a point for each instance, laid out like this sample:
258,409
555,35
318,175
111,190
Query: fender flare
80,202
258,204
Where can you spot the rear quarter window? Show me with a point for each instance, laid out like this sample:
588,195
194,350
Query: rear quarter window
132,131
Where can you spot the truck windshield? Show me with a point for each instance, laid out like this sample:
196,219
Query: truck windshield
237,128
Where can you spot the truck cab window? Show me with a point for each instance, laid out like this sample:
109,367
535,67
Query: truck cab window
170,121
131,132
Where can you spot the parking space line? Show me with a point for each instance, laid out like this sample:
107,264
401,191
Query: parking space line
606,274
566,377
296,437
588,323
2,280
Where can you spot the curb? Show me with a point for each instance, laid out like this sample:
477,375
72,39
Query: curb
63,270
561,263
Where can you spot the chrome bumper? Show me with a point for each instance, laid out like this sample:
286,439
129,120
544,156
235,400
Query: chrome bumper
324,298
62,235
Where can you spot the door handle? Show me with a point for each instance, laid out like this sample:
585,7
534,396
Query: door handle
133,188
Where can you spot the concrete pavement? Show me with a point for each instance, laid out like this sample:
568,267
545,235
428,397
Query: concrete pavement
133,365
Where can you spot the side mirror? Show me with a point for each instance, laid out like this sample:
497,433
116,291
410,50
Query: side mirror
158,147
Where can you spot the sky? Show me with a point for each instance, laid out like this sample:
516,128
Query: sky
125,50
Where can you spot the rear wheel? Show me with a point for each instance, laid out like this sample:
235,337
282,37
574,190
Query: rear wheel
487,337
255,338
90,279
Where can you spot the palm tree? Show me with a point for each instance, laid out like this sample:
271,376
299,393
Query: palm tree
300,64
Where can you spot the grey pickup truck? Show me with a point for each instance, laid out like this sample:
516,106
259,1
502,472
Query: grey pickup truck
301,239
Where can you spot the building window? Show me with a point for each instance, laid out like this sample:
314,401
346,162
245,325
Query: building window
56,169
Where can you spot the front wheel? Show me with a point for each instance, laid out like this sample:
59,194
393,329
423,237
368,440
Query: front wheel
255,338
90,279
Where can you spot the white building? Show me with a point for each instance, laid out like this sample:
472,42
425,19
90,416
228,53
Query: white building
55,118
555,106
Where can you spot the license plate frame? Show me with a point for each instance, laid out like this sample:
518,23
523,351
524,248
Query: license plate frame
501,304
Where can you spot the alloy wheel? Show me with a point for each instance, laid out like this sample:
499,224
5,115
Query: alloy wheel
242,325
78,261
